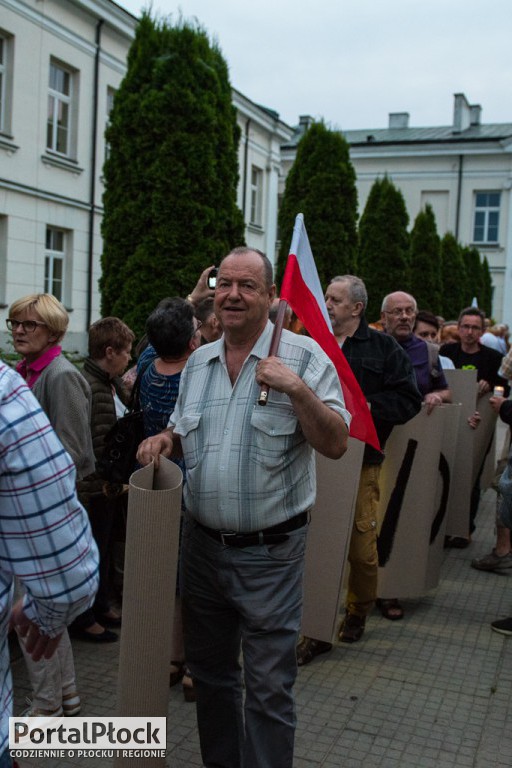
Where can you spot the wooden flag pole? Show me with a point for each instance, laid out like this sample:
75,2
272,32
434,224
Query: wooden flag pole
274,346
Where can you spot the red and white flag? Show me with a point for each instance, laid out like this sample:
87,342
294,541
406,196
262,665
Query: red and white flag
302,290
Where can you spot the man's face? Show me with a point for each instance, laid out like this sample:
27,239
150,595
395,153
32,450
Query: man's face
470,330
340,307
399,315
242,298
426,332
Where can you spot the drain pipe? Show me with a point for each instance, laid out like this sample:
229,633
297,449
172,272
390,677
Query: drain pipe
92,193
459,195
246,155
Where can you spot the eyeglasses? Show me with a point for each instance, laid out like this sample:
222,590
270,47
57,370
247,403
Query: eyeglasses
407,311
470,327
28,326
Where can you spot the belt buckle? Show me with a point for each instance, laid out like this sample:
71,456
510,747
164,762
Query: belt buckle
225,536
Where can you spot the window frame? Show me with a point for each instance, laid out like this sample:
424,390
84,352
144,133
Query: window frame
53,254
6,75
486,212
256,197
58,98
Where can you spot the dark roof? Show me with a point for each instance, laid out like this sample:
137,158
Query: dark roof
432,135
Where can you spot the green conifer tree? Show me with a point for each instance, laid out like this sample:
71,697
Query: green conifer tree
474,276
487,289
425,261
321,184
383,244
453,278
172,171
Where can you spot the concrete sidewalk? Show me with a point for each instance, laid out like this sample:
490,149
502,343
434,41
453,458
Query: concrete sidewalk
431,691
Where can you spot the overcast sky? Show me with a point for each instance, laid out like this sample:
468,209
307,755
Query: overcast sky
352,62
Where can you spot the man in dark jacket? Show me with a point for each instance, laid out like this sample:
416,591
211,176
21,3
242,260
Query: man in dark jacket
385,375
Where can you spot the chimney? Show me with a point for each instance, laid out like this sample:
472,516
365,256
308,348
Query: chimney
305,122
476,112
398,120
461,113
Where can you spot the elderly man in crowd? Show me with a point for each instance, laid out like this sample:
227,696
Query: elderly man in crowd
398,317
250,486
386,378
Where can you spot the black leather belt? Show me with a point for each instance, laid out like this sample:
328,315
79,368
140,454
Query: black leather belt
272,535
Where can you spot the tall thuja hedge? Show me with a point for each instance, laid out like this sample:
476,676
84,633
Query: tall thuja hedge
172,172
487,288
475,277
425,261
383,244
453,278
321,184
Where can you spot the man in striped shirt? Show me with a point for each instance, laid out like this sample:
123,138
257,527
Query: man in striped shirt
250,486
45,537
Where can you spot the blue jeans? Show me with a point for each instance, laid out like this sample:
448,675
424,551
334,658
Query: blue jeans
248,598
5,760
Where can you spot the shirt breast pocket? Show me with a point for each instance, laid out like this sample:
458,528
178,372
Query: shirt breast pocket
275,433
188,430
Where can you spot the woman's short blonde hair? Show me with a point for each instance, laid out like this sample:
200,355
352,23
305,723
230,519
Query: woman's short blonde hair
49,309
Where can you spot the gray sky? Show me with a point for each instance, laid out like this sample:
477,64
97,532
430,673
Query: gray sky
352,62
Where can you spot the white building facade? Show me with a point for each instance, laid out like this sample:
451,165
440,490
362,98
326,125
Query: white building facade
463,170
61,62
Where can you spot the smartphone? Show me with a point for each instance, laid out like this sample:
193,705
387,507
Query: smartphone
212,278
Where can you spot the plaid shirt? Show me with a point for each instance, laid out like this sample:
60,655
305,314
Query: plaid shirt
249,467
45,537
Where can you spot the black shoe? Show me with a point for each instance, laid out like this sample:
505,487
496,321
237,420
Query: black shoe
308,648
109,621
503,626
78,633
456,542
352,628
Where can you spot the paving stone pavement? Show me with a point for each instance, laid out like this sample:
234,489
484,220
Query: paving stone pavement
431,691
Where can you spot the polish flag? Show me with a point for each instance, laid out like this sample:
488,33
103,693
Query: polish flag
302,290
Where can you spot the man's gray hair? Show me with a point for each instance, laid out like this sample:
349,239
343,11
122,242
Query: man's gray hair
385,300
357,288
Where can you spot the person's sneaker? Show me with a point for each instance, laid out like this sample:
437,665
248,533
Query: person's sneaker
503,626
352,628
71,704
492,562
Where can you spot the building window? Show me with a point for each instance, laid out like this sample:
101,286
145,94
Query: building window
256,195
487,217
60,98
5,81
110,105
54,262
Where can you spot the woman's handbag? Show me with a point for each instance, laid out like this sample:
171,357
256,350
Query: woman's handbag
122,440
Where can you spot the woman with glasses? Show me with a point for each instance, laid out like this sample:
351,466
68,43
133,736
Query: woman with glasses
38,323
173,333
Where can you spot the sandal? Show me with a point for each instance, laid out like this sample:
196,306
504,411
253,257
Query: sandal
308,648
390,609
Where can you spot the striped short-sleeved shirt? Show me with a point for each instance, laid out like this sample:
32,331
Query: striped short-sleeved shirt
248,466
45,536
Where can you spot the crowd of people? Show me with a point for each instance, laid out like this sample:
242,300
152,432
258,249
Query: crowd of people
249,483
